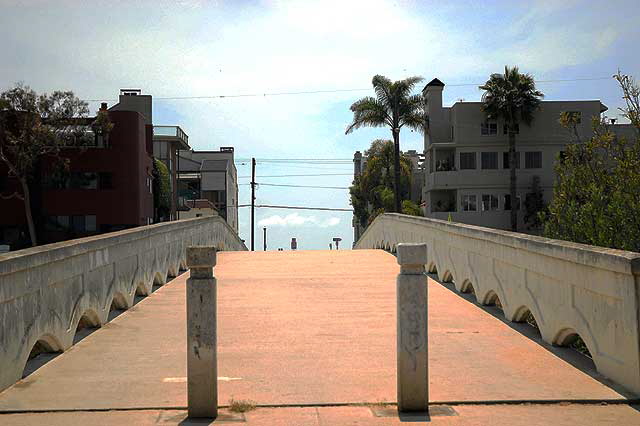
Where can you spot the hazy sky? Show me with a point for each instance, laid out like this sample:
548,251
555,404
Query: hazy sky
191,48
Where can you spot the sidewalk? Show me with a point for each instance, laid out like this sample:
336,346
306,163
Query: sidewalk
315,329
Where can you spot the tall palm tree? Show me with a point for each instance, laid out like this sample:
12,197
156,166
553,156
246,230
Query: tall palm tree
513,97
393,106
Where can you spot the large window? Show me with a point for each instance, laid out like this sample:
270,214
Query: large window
533,160
81,180
77,224
507,202
489,202
489,160
469,203
467,160
505,160
488,128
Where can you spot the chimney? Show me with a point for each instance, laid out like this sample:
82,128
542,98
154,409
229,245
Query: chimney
433,97
103,106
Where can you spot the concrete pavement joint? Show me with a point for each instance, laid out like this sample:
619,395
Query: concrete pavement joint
349,404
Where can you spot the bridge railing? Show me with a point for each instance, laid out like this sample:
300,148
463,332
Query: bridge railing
46,291
570,289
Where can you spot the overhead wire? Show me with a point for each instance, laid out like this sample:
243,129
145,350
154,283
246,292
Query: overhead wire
309,92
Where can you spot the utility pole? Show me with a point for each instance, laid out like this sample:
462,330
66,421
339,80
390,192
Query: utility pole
253,201
264,238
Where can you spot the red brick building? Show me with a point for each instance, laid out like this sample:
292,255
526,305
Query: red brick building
108,188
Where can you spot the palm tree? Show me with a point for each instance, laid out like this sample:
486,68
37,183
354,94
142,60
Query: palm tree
393,106
513,97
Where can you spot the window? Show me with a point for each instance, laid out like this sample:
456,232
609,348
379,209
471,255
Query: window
81,224
489,160
467,160
489,202
574,115
57,223
505,160
533,160
507,202
488,128
469,203
505,130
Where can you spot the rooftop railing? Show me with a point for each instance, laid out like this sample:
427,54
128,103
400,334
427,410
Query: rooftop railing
171,131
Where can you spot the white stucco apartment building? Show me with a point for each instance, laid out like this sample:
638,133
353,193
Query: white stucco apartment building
467,165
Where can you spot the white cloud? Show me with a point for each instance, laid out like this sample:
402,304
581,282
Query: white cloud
295,219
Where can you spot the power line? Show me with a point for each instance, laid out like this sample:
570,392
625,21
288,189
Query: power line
320,174
298,186
332,209
308,92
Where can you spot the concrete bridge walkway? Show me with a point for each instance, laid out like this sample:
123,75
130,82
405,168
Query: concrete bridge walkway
310,338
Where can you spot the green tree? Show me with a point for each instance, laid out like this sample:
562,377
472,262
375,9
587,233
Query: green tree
596,197
161,190
372,192
534,205
393,106
34,127
512,97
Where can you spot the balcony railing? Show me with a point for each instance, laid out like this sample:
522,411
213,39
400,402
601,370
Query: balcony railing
171,132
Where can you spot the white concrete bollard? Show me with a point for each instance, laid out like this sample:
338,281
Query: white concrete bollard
411,291
202,367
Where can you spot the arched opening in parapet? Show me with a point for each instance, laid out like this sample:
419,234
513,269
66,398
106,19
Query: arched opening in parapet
89,322
183,266
492,299
141,293
467,288
118,306
432,269
524,315
43,351
447,277
568,337
158,281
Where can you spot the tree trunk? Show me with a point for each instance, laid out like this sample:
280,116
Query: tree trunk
27,210
396,169
512,179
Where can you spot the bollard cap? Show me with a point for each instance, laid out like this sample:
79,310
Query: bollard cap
201,257
412,254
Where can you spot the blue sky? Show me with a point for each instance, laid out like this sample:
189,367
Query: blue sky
191,48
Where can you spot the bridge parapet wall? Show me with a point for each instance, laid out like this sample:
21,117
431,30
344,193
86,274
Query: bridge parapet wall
46,290
570,289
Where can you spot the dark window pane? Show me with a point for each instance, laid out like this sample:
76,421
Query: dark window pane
489,160
533,160
78,223
84,180
467,160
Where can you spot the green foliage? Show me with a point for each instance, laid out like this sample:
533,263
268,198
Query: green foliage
372,191
161,190
534,206
513,97
35,126
597,194
393,106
